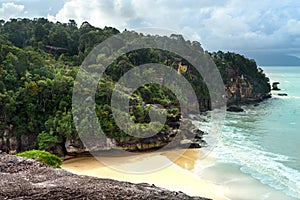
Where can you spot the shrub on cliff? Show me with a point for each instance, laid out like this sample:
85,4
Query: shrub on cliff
43,157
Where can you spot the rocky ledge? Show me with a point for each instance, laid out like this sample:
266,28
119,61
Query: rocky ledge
23,178
188,136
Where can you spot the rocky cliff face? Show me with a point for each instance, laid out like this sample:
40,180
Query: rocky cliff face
23,178
239,90
10,143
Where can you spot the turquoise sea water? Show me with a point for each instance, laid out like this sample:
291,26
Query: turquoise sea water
259,149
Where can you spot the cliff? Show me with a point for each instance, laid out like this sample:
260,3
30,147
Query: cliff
240,91
23,178
244,81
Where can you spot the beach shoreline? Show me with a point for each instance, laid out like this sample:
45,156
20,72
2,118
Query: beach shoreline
176,173
187,170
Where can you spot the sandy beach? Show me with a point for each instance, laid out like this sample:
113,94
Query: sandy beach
177,176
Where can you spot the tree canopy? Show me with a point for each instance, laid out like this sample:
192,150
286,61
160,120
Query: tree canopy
39,61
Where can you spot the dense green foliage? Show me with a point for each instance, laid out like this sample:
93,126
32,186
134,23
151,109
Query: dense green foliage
39,61
43,157
36,82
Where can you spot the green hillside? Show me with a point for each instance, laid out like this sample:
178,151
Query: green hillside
39,61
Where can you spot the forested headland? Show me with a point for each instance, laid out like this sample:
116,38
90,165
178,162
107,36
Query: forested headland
39,61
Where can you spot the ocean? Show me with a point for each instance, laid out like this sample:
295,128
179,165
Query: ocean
258,152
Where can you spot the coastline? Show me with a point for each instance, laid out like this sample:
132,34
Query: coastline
176,177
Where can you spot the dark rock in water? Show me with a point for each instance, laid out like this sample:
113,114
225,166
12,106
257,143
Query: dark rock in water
23,178
199,134
195,146
194,143
186,143
235,109
255,105
282,94
275,86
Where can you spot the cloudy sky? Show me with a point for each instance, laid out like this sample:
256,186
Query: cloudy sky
228,25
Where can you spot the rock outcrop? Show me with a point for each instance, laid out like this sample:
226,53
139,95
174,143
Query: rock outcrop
189,136
275,86
23,178
235,109
8,141
13,143
239,90
282,94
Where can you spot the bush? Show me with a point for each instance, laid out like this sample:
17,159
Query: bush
47,140
44,157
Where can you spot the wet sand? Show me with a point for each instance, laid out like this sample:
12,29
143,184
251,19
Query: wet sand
176,176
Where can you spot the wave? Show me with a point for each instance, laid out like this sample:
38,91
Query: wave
239,145
267,167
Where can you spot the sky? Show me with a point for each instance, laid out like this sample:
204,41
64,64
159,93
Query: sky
242,26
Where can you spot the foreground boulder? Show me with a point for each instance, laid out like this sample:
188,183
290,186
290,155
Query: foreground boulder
23,178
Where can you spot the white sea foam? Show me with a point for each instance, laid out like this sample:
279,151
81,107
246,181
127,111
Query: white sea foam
264,140
285,97
243,150
263,166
